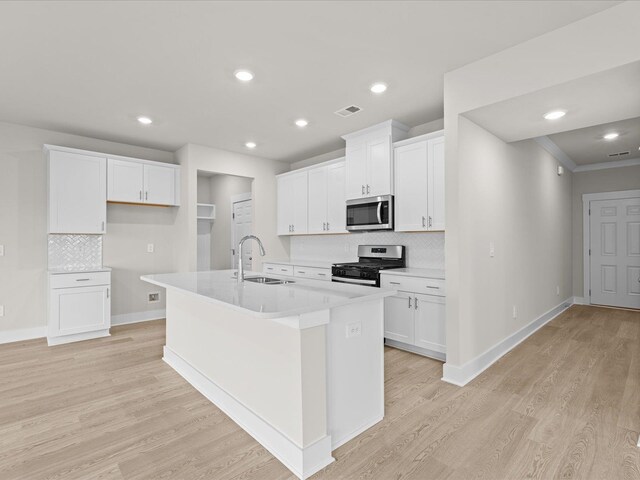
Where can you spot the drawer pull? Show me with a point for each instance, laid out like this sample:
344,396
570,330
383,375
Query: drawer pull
322,274
430,286
82,279
302,271
394,283
283,269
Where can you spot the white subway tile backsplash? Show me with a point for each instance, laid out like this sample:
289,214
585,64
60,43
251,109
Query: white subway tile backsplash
72,252
424,250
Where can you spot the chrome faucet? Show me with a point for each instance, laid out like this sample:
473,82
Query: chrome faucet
240,266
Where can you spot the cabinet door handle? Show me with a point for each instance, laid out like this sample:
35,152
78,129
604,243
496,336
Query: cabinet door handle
322,274
293,228
330,229
302,271
82,279
362,189
415,302
324,227
430,222
107,292
283,269
146,195
394,283
103,226
424,222
367,188
410,302
140,194
431,286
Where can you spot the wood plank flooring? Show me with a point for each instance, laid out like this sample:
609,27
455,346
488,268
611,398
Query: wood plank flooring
564,404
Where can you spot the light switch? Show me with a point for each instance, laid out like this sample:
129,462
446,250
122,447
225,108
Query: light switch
150,247
1,250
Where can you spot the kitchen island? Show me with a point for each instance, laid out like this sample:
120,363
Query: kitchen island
298,365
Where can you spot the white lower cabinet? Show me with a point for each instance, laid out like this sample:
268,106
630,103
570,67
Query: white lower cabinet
297,270
416,321
79,306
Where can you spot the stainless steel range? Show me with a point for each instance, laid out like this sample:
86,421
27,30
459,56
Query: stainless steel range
372,259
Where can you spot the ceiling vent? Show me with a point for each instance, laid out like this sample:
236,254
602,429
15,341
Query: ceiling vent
619,154
348,111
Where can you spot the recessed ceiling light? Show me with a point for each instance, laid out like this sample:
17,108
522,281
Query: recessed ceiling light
554,115
145,120
378,87
244,75
611,136
301,122
250,144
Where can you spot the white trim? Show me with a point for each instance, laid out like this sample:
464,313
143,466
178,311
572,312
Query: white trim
419,138
425,352
136,317
302,461
350,436
630,162
551,147
587,198
19,335
312,167
579,301
77,337
461,375
388,124
57,148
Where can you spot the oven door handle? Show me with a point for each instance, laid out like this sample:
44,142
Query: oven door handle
379,213
371,283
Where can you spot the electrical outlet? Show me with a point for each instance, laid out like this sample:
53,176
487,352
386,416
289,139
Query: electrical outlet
354,329
515,312
154,297
558,290
1,310
1,250
150,247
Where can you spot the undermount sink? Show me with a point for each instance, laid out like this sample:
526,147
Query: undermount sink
267,280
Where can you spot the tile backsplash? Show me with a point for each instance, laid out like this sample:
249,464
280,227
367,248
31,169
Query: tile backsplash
424,250
71,252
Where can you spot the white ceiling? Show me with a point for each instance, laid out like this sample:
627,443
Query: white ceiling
587,146
90,68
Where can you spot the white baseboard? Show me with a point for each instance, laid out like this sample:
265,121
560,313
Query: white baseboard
367,425
461,375
136,317
22,334
579,301
77,337
303,462
442,357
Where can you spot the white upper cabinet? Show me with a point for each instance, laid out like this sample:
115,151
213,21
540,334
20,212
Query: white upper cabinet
77,192
369,162
292,203
419,184
126,181
327,210
144,182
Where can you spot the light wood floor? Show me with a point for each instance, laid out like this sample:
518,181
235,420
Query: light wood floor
566,403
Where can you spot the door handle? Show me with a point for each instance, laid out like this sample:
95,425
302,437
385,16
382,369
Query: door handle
379,212
410,302
415,302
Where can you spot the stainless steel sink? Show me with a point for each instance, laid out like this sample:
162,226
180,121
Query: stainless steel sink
267,280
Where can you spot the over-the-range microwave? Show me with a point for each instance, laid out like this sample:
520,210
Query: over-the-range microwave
374,213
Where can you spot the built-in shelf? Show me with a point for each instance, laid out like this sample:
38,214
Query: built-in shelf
206,211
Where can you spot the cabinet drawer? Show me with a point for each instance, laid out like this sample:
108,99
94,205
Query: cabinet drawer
427,286
313,273
68,280
277,269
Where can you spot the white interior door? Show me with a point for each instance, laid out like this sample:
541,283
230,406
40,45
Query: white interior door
614,228
242,225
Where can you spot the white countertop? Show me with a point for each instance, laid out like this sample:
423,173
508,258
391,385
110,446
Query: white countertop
266,301
416,272
58,271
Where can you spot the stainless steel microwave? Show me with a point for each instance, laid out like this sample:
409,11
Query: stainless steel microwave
374,213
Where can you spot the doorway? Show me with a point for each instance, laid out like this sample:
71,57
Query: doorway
242,225
612,248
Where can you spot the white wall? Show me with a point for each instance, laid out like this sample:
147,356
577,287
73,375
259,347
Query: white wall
597,181
23,225
197,157
597,43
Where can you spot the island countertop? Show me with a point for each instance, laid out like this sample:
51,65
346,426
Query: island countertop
266,301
